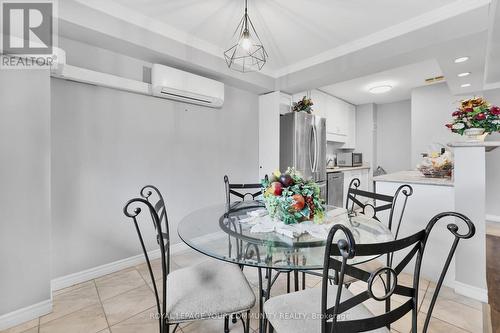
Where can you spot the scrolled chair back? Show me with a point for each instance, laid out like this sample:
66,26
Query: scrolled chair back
240,191
357,200
337,256
138,209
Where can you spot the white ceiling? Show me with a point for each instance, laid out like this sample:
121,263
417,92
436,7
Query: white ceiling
295,32
402,79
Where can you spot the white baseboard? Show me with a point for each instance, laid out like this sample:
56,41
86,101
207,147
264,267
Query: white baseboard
493,218
476,293
96,272
25,314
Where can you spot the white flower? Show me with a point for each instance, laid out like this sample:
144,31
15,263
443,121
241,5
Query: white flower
496,121
458,126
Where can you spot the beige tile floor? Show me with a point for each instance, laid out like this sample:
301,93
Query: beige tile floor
123,302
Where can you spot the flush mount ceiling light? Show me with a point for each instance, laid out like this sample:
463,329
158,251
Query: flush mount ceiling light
465,85
380,89
463,74
461,59
248,53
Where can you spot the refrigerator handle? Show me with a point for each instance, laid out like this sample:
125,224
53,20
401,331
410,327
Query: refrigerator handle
311,157
316,148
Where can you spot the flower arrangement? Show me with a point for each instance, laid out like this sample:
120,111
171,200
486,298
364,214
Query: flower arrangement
304,105
475,113
291,198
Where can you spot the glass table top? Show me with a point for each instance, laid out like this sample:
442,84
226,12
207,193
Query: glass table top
224,236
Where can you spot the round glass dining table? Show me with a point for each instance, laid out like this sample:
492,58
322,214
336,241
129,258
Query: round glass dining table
226,234
220,233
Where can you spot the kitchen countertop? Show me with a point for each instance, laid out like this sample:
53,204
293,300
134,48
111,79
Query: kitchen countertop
413,177
340,169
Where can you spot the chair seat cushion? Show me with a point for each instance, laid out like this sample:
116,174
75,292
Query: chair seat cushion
300,312
208,289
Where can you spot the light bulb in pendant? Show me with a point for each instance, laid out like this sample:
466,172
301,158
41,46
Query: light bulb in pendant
245,41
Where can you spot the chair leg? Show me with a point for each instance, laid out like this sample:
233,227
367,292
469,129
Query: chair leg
247,326
226,324
288,282
303,280
271,328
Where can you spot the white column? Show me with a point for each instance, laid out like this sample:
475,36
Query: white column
470,199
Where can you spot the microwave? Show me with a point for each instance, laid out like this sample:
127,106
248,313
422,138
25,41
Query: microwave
349,159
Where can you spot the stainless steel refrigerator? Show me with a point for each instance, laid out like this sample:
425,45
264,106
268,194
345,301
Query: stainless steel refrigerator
303,146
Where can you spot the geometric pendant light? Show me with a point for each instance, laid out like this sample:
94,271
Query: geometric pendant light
247,54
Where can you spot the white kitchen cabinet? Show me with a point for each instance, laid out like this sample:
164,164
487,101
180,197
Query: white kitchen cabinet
340,116
362,175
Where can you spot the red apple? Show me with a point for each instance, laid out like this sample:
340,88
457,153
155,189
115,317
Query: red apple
299,202
276,188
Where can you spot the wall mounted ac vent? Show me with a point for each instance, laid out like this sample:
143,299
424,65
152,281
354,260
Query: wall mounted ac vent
177,85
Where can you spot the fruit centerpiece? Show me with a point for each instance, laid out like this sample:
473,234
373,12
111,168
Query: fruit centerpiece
292,199
475,118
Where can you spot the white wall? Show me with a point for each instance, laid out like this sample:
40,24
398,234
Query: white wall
394,136
366,139
106,144
431,108
24,188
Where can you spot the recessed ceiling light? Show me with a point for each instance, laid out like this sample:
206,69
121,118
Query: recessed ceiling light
463,74
461,59
380,89
465,85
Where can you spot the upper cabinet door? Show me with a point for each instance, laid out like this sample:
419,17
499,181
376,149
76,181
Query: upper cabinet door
319,103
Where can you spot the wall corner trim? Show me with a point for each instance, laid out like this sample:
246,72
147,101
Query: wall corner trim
25,314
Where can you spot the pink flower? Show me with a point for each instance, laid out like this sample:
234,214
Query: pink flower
449,125
456,113
469,110
495,110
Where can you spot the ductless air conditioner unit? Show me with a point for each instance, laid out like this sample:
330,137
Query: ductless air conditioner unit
181,86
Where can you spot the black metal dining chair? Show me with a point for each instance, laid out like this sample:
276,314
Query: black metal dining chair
207,290
371,203
241,191
336,309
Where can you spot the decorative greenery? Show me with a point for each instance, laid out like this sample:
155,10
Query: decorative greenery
291,198
304,105
475,113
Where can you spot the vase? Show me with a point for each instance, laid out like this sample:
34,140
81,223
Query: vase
475,134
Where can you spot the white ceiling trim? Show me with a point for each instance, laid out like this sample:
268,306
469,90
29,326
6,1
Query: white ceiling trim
416,23
126,14
116,10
